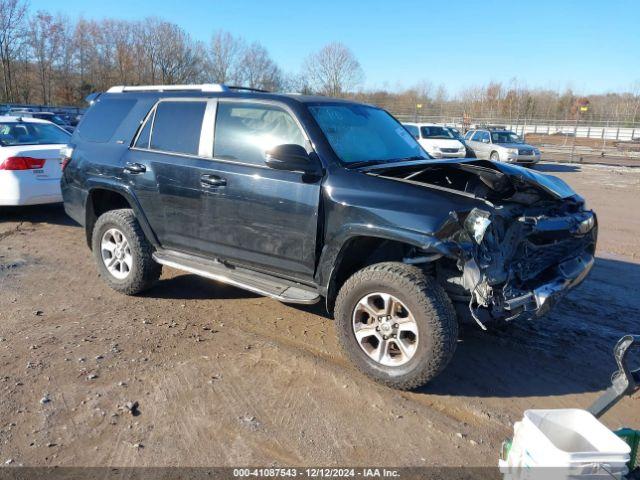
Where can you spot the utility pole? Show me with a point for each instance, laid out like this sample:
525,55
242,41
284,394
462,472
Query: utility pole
415,114
583,107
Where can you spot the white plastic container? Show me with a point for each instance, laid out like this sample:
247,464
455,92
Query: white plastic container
565,443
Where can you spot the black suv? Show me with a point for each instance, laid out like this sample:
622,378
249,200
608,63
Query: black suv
301,198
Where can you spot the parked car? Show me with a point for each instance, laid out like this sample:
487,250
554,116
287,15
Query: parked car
49,116
301,198
30,161
437,140
501,146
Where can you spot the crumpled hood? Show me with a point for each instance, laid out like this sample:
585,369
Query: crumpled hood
553,185
495,174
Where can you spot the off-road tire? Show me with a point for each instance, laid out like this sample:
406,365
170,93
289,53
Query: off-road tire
430,306
144,272
495,156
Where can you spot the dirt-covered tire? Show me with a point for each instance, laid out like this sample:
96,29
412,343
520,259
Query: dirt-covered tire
136,271
494,157
427,305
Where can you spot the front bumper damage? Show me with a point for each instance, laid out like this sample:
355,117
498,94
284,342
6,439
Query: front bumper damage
539,301
518,268
528,241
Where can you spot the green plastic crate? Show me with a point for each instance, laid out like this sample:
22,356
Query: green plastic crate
632,437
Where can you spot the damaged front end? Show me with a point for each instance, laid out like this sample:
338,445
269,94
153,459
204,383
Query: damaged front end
519,253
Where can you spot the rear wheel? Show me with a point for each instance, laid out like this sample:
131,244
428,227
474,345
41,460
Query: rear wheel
495,157
123,254
396,324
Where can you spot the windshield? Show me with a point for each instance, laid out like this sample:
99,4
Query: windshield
26,133
362,134
505,137
436,132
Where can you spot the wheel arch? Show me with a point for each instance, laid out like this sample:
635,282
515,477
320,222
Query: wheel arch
360,250
102,198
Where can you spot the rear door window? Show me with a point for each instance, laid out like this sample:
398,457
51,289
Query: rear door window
177,126
101,121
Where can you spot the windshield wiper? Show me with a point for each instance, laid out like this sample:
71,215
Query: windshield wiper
369,163
365,163
408,159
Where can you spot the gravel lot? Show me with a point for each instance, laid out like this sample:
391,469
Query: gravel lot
226,378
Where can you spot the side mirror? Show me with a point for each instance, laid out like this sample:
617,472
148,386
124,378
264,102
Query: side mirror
291,157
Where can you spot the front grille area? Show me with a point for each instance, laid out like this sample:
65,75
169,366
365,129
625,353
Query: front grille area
525,151
449,150
534,258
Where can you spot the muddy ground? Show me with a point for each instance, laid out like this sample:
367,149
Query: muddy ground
223,377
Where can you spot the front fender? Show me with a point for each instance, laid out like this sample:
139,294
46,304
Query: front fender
334,249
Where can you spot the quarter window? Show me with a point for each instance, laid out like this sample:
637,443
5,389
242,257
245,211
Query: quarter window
102,119
177,126
245,131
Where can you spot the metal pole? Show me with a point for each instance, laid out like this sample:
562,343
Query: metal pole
575,136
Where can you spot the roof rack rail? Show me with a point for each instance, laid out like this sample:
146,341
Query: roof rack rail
204,87
246,89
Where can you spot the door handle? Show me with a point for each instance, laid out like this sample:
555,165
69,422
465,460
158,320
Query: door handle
212,181
135,168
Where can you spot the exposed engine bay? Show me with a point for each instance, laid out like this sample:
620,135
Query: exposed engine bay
518,254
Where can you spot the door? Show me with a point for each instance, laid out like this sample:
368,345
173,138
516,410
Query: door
255,215
480,144
164,169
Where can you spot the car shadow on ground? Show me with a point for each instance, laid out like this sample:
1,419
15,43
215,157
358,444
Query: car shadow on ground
53,214
556,167
569,351
194,287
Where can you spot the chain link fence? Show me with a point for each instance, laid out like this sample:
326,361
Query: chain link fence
571,140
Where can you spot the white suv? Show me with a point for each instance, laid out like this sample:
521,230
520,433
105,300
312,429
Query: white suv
501,146
437,140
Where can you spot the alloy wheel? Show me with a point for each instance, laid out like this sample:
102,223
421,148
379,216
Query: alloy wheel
385,329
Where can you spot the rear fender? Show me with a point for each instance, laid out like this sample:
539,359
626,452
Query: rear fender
129,195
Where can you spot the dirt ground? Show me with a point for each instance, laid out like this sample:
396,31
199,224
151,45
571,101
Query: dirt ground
226,378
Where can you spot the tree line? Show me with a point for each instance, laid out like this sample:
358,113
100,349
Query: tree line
52,59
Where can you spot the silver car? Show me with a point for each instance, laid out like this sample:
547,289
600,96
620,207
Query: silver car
501,146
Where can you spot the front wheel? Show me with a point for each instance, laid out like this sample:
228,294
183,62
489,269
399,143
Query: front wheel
495,157
396,324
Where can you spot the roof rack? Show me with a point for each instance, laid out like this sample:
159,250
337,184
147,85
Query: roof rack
204,87
245,89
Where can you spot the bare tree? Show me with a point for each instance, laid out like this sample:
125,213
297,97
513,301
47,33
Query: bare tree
333,70
225,56
45,40
258,70
13,15
177,56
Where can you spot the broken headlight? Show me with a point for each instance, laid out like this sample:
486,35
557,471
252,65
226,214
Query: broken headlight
587,224
476,224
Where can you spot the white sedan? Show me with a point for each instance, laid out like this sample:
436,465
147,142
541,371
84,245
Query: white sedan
30,168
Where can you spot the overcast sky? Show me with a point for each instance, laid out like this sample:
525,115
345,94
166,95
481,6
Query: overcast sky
588,45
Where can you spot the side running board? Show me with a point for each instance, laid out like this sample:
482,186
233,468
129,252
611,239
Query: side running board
260,283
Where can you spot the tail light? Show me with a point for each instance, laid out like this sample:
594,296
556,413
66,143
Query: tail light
65,156
22,163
